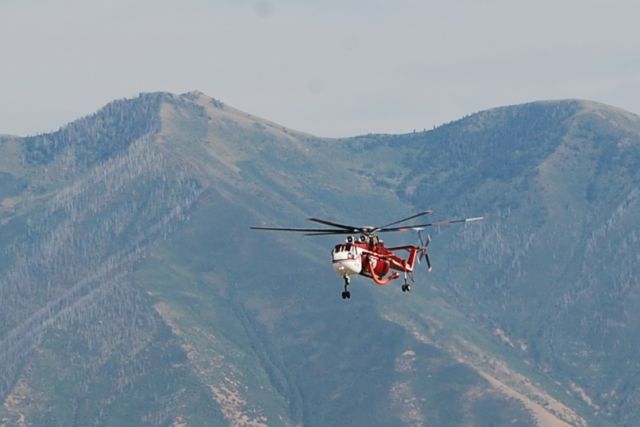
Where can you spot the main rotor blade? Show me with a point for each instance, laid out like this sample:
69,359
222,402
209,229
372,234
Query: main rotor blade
329,233
427,212
432,224
303,230
334,224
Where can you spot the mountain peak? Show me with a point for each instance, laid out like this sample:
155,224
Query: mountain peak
221,114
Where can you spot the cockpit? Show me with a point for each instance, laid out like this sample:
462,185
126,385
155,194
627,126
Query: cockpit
346,259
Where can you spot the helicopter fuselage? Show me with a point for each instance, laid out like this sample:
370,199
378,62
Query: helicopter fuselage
371,259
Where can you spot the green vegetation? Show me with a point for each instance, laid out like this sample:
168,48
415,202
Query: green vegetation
133,292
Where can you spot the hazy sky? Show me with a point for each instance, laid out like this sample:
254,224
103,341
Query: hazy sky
330,67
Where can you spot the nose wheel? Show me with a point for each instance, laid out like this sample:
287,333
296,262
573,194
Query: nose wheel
346,294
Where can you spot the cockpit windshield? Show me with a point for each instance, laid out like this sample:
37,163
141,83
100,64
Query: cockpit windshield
344,248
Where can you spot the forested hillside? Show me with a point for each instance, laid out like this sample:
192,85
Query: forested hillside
132,291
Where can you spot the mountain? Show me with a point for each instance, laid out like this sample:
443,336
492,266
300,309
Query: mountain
132,291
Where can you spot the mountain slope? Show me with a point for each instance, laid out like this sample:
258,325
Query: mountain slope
556,272
133,292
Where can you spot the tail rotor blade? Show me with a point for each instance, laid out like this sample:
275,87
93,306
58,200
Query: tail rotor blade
423,243
426,257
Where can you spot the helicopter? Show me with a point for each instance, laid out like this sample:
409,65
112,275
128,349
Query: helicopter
364,253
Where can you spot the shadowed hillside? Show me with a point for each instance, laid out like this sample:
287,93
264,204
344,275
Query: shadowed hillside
133,293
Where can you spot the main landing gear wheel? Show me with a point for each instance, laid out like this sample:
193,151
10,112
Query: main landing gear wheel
406,287
346,294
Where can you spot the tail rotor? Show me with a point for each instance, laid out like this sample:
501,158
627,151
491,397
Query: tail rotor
423,251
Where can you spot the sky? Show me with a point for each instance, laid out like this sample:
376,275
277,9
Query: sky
331,68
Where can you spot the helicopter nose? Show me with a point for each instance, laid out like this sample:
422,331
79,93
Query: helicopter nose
347,266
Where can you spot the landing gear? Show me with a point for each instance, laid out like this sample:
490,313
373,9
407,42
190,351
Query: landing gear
346,294
406,287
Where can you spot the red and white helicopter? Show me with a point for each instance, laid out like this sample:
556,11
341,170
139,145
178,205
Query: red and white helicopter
364,253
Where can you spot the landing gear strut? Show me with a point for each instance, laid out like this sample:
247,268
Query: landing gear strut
346,294
406,287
